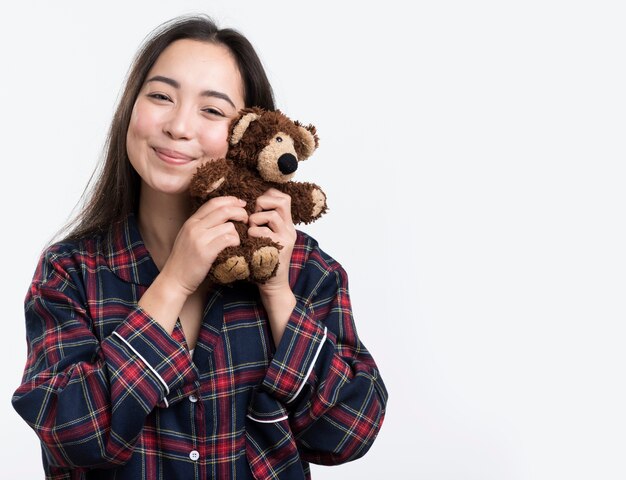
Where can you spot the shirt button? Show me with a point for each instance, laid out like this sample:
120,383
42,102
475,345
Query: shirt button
194,455
193,398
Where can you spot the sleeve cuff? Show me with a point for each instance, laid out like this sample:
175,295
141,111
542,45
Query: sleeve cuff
164,360
296,355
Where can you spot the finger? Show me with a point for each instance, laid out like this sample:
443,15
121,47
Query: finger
222,215
273,195
222,236
216,203
274,192
263,232
270,218
274,199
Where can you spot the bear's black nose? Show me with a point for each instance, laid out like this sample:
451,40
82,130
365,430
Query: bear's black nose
287,163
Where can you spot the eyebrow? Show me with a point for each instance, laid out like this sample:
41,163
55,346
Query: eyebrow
206,93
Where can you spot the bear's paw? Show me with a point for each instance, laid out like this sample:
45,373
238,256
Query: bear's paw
232,269
264,262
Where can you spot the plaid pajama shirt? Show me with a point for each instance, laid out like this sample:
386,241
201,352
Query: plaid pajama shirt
111,395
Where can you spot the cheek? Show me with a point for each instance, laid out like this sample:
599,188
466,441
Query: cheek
137,130
214,141
139,124
131,142
142,122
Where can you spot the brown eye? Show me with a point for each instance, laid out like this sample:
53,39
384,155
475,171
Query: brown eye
279,139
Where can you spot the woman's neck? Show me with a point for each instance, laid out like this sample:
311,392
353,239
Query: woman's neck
160,218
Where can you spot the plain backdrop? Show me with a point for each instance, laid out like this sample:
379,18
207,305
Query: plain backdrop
473,153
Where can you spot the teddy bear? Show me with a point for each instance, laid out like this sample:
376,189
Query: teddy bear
264,149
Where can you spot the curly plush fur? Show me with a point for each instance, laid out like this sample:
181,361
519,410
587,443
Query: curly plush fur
264,150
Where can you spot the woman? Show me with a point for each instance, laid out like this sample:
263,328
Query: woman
137,368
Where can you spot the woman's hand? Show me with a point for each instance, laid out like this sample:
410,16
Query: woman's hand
272,219
201,238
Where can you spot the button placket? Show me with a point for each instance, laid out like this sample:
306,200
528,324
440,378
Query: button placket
194,455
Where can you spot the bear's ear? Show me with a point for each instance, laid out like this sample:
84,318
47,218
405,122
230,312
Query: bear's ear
308,140
241,126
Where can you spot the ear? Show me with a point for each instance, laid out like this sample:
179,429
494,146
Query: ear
308,139
241,126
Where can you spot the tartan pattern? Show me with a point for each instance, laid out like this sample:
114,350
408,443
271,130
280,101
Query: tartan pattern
111,395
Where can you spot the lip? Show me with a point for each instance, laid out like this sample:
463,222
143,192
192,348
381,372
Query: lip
173,157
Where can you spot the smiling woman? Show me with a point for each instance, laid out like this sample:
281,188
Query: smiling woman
181,116
138,367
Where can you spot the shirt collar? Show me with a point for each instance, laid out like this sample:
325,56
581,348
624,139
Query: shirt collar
127,255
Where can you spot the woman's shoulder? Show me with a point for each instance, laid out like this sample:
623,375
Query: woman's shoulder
90,244
311,265
307,249
65,256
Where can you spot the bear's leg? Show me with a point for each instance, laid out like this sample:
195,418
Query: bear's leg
231,264
263,258
230,270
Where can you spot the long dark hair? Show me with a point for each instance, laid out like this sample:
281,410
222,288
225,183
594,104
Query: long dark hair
115,190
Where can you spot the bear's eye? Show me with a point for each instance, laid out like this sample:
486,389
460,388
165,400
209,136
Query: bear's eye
279,139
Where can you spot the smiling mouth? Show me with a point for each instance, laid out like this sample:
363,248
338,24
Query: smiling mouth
172,157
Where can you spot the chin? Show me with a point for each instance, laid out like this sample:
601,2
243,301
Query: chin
175,190
170,187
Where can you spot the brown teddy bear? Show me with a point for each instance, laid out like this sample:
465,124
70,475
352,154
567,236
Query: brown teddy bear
264,150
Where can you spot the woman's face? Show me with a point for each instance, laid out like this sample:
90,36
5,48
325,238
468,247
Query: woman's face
181,116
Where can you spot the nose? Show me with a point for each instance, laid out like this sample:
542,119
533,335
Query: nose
178,125
287,163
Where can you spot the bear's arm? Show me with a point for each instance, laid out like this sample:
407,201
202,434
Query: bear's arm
308,201
209,178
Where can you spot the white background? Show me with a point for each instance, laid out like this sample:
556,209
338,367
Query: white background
473,153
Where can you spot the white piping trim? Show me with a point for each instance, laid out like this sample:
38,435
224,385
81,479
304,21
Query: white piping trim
267,421
144,361
167,404
308,373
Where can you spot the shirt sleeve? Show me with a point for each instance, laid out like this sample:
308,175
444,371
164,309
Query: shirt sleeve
323,374
87,399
